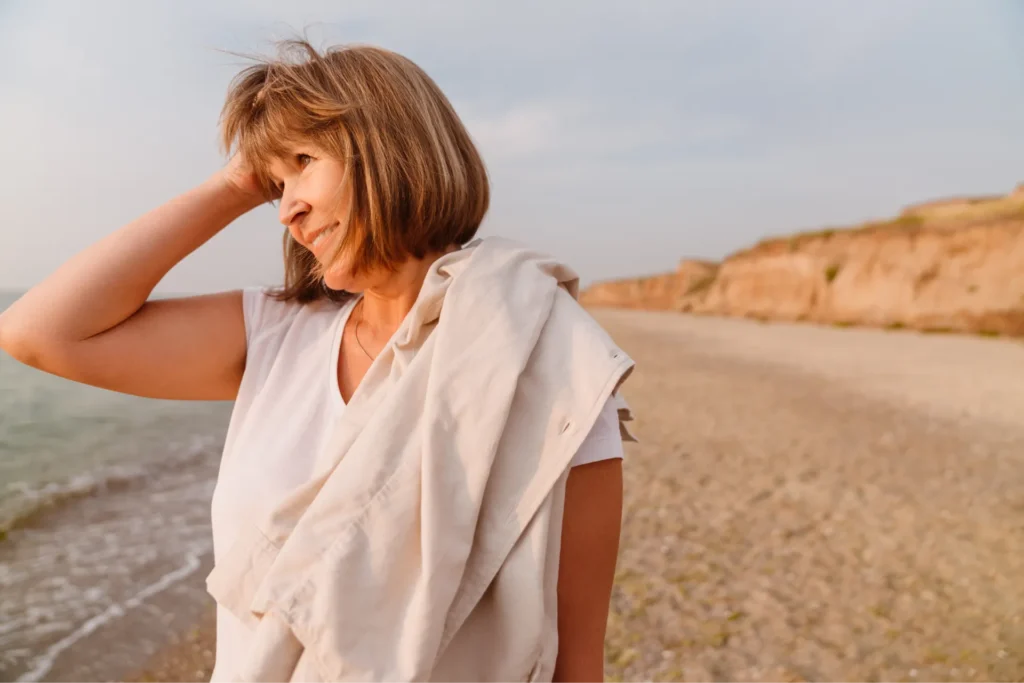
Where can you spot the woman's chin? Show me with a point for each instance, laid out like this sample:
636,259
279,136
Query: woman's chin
340,282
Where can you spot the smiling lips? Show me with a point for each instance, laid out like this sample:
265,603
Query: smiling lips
322,236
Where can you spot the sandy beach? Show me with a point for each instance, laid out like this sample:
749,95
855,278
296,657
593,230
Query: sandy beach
807,503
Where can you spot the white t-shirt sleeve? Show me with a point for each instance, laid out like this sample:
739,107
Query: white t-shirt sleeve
263,313
604,440
253,300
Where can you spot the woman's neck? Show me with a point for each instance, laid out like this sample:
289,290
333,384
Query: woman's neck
386,304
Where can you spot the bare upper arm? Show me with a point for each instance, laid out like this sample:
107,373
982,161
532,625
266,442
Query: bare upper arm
188,348
591,525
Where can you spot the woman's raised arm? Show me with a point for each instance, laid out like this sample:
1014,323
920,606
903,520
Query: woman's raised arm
90,321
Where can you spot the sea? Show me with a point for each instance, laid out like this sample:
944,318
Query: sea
104,523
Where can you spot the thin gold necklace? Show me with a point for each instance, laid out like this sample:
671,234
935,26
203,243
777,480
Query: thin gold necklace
358,323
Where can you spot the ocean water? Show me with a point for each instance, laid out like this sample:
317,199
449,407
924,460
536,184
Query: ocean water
104,523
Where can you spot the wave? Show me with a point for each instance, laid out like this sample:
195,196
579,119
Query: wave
44,663
24,502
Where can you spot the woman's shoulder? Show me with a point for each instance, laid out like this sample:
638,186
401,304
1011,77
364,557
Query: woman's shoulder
266,314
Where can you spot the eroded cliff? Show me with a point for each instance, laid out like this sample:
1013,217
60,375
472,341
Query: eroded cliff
950,265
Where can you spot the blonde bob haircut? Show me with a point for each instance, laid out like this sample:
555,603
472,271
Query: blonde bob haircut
418,184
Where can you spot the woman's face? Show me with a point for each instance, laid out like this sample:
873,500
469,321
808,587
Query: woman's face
315,200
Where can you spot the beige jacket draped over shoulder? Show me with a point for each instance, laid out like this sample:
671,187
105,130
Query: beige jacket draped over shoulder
426,545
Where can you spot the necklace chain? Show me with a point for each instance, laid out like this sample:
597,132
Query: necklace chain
358,323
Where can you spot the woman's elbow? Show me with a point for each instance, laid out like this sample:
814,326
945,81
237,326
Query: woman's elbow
10,340
18,342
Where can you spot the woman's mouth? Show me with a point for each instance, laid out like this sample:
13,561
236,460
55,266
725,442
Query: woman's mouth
322,237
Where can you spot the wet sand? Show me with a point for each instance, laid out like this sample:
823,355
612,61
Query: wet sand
807,503
188,658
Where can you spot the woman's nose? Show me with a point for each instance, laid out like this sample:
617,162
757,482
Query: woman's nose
292,210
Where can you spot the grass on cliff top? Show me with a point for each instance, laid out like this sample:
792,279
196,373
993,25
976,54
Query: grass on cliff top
937,216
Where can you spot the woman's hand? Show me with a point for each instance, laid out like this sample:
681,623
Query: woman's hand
239,176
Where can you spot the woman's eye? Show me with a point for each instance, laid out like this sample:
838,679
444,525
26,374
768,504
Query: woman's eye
303,159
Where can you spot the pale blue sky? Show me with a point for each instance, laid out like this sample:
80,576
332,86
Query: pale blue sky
620,136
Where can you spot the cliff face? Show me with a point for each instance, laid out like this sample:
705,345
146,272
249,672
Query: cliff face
661,292
955,265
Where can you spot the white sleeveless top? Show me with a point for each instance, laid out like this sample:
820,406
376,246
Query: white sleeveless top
286,404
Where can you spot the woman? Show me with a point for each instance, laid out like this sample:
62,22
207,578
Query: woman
380,189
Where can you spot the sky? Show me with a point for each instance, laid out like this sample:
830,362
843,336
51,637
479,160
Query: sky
619,136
